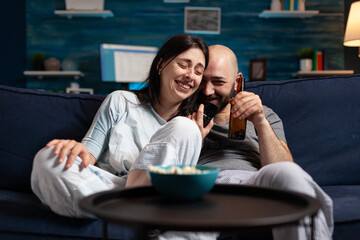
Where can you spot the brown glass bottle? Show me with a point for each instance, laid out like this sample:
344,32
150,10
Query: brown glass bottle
237,127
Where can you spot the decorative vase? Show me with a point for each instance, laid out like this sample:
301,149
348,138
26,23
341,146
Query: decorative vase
306,64
69,64
301,5
275,5
52,64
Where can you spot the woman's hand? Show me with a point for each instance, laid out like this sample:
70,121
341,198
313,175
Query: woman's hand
71,149
198,118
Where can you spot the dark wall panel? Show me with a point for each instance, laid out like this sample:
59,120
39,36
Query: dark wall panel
151,22
12,43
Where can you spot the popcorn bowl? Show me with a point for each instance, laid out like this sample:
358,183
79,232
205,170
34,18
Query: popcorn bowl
183,185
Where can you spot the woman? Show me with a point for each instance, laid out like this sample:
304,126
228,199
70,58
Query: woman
127,127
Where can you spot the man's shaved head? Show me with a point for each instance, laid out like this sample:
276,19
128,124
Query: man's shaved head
226,55
220,76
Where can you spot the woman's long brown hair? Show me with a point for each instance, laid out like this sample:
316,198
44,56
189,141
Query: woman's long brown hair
171,49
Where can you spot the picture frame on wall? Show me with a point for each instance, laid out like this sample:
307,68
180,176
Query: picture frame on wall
202,20
257,70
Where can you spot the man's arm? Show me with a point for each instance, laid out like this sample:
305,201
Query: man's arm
272,149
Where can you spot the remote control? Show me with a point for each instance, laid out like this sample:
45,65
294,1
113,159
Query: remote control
209,112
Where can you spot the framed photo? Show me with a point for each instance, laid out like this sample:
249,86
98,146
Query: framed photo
257,70
203,20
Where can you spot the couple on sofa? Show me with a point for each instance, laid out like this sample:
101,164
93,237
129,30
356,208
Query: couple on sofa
162,124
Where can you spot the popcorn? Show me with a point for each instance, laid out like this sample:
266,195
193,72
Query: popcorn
175,170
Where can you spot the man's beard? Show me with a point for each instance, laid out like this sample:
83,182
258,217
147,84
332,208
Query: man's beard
223,100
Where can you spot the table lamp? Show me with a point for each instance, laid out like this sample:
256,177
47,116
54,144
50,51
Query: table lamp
352,32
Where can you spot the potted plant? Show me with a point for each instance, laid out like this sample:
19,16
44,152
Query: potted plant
37,60
305,55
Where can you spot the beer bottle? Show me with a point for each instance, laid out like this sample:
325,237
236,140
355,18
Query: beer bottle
237,127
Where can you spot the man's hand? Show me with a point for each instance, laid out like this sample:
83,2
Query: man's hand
198,118
248,105
72,149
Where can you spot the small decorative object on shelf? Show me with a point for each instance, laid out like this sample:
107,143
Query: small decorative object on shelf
52,64
84,5
75,88
288,9
306,62
275,5
301,5
69,64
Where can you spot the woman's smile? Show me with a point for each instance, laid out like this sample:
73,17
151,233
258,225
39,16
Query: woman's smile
181,77
183,86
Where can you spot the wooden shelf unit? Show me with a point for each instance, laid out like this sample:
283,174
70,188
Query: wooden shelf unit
84,14
323,73
42,74
288,14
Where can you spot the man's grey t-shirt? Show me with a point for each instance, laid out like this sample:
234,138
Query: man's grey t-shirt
220,151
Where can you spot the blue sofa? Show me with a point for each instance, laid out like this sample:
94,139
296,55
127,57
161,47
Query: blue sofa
321,119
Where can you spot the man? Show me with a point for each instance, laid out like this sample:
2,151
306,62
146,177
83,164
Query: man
263,157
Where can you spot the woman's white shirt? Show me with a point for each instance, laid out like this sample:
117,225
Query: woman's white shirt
120,130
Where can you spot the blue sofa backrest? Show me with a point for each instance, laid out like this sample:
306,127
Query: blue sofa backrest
321,119
322,124
29,119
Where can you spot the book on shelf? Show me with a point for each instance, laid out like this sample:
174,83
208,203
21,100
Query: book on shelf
286,5
295,5
319,60
314,68
324,57
289,5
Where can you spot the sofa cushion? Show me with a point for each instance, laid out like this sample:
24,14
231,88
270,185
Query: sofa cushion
346,231
346,201
346,210
23,213
31,118
322,124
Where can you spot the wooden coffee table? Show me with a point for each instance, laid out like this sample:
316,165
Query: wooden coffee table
226,207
